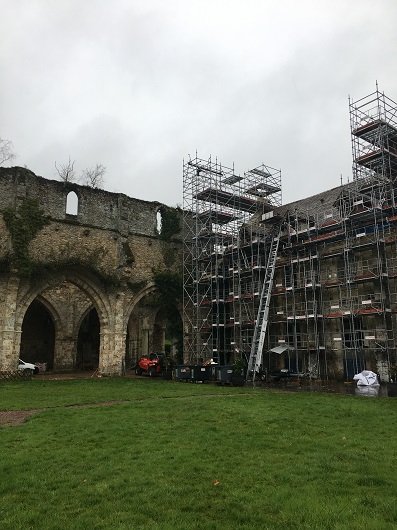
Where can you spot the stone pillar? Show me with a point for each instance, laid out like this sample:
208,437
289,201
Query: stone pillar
112,341
112,353
66,333
10,338
64,353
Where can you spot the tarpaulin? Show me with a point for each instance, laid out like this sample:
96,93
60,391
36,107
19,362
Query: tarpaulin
366,378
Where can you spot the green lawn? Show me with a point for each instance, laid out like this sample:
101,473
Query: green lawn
282,460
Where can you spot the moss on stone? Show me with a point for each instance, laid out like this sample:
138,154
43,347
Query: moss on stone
170,286
23,224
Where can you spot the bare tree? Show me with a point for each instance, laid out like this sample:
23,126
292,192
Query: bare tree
6,151
66,171
94,176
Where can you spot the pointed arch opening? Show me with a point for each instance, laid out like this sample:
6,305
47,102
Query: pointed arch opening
167,332
88,342
72,203
38,335
69,298
153,326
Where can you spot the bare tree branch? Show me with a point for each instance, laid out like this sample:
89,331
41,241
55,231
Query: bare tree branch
94,176
6,151
66,171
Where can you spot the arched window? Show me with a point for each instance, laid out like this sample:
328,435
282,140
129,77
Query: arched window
159,221
72,203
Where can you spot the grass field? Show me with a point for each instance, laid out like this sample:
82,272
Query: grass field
182,456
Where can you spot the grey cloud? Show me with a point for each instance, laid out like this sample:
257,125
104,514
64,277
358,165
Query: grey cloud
136,85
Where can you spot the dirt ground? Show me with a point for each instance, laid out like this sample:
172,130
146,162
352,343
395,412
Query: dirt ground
65,376
12,418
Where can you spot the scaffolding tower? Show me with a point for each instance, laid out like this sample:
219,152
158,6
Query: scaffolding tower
334,299
224,255
369,209
373,122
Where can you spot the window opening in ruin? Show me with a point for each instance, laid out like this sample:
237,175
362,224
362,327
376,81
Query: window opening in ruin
38,335
72,203
159,222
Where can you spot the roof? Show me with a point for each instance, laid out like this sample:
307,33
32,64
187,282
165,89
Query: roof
322,204
321,201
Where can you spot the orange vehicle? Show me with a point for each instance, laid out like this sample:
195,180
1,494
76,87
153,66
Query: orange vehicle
152,364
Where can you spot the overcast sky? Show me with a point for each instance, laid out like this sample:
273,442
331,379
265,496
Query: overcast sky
137,85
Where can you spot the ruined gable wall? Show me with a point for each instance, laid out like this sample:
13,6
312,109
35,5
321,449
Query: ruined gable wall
110,251
97,208
114,233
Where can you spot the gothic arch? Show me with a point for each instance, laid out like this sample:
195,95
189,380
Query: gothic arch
39,328
152,325
146,291
56,319
83,316
83,282
149,289
88,284
86,336
72,203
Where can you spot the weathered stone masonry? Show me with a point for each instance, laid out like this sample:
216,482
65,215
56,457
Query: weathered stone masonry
106,257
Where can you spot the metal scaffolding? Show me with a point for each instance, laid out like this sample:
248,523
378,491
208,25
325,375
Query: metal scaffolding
373,123
333,302
333,299
224,256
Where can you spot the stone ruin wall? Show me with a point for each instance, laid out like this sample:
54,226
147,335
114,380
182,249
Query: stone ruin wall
106,225
112,246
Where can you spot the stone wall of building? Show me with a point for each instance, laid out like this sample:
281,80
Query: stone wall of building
106,257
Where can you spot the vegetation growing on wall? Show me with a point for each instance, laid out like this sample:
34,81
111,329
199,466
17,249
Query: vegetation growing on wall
170,226
24,223
170,288
169,285
170,222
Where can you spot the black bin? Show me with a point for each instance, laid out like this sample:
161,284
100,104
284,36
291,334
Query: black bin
202,374
224,375
184,373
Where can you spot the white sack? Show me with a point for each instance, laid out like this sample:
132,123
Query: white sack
366,378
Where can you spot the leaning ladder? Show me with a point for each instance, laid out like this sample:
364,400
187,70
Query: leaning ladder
263,311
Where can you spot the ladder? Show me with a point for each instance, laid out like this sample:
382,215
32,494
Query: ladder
263,311
245,259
